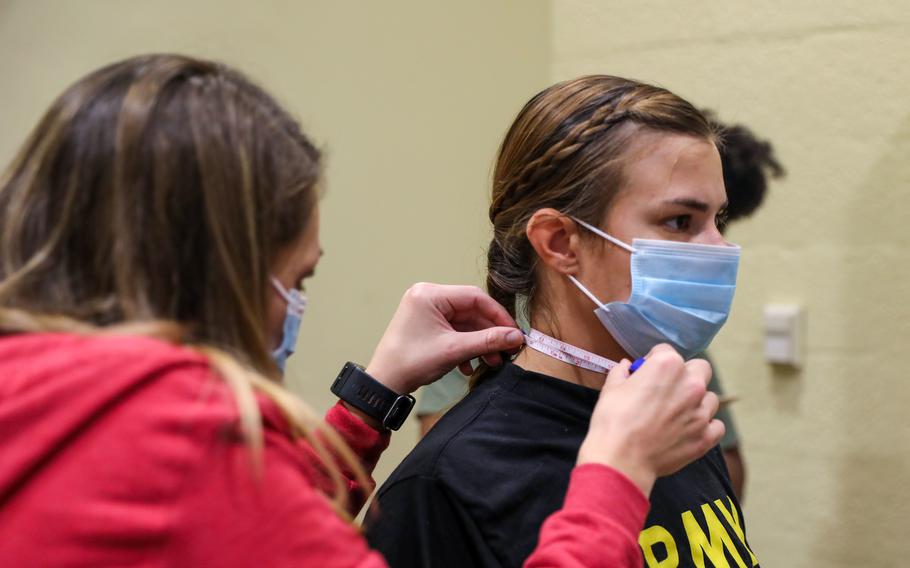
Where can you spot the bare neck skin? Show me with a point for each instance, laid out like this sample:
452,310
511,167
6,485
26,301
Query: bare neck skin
583,330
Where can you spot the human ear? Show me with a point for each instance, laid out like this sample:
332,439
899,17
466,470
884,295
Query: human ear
555,239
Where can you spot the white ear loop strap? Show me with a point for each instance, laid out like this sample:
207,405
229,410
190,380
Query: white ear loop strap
297,302
587,292
598,232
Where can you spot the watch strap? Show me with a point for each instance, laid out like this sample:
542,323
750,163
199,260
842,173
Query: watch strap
357,388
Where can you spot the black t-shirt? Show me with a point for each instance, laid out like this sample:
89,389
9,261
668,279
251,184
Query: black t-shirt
476,490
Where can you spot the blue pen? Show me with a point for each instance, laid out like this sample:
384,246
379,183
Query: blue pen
638,363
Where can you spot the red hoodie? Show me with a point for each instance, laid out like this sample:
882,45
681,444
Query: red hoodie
125,451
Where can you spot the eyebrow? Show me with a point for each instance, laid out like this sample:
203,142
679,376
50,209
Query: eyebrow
693,204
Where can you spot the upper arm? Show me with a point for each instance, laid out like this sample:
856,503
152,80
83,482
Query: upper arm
229,517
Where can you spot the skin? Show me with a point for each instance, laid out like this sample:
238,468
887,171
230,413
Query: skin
428,312
674,190
292,266
644,428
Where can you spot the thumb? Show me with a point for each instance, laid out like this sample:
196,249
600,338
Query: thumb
618,374
471,344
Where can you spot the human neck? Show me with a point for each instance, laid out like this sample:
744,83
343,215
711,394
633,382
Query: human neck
580,332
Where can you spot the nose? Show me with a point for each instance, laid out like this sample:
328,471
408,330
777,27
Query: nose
713,236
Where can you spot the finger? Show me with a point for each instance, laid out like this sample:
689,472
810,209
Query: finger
662,363
466,368
618,374
462,299
700,368
714,433
472,344
492,359
660,348
709,405
470,321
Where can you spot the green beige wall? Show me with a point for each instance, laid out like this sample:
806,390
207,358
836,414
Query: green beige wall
408,98
828,447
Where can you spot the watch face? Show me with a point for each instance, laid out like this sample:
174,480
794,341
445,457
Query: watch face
399,412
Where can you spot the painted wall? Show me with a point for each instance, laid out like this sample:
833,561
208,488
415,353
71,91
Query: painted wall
828,447
409,100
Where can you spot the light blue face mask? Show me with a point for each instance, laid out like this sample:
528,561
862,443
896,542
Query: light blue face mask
681,295
292,317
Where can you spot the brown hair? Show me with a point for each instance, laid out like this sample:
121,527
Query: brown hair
565,151
152,197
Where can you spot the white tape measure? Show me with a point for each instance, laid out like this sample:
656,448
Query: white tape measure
566,353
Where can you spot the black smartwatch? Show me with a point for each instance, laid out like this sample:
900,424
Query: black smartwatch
354,386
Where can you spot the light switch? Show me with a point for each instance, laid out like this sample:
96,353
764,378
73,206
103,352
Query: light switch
784,328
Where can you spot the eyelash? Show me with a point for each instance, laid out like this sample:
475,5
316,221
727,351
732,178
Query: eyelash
720,220
687,222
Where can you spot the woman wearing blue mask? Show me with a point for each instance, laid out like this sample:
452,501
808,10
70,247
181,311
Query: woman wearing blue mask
156,230
607,195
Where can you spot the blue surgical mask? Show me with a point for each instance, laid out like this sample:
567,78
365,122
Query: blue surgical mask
296,306
681,295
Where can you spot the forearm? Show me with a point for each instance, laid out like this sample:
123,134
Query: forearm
598,524
365,442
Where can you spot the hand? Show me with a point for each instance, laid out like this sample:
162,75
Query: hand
656,422
437,328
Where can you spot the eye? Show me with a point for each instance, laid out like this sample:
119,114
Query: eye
678,223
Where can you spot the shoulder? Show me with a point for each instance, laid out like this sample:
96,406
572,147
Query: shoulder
63,358
471,418
131,401
483,440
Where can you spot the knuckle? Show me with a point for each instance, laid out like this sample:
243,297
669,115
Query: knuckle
418,290
491,341
695,390
701,367
667,360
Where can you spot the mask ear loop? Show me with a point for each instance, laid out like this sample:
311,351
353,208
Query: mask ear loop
610,238
296,301
600,233
587,292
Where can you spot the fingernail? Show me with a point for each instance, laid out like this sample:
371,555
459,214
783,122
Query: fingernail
514,336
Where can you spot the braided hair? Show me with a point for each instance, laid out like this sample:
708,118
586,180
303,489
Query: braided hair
565,151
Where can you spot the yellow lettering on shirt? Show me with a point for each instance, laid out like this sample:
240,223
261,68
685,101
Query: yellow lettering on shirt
714,545
658,535
732,517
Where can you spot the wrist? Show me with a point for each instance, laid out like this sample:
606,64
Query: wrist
371,400
385,376
367,419
637,471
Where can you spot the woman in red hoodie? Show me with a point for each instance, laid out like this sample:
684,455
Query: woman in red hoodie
155,233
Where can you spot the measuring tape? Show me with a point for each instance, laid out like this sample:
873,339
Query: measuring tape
566,353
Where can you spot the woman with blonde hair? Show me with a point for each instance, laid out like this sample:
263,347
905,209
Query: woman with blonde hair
155,233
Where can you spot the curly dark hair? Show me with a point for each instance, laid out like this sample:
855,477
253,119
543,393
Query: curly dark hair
747,163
